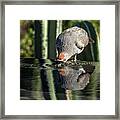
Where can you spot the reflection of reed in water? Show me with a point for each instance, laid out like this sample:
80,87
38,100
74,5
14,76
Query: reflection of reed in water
47,80
68,94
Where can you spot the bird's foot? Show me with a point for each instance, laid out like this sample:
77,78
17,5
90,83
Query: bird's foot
75,59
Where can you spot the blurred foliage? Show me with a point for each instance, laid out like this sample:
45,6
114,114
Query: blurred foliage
27,36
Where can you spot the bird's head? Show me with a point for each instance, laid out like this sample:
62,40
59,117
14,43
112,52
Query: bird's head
63,56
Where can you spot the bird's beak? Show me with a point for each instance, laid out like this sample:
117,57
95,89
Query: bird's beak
61,56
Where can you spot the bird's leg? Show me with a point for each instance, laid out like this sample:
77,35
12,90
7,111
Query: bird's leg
75,58
82,49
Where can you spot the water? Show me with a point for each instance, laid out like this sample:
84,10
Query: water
44,79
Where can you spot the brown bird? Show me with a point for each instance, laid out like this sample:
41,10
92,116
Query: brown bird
71,41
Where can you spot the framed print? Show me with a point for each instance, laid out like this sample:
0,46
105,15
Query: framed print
60,59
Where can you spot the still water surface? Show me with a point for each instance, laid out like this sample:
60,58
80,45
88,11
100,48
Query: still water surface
45,79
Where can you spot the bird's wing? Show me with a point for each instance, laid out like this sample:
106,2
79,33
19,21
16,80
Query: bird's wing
83,39
77,44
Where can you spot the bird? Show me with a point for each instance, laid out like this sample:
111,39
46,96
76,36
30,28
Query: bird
71,42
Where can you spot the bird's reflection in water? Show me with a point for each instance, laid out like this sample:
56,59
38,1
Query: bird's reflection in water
75,78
